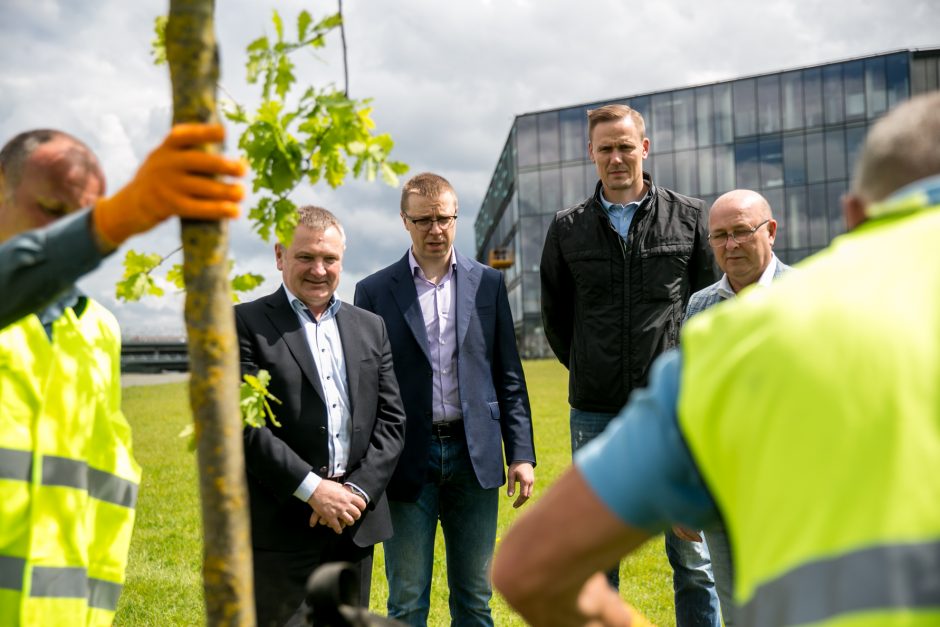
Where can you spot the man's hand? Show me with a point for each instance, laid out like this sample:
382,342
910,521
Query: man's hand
524,474
174,180
600,605
689,535
335,505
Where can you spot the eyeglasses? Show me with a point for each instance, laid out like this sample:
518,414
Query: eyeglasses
740,236
424,224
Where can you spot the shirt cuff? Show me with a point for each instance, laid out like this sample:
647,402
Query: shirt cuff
306,488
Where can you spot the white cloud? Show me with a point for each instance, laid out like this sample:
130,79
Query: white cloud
447,79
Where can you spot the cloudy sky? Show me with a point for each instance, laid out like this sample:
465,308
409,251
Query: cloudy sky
447,78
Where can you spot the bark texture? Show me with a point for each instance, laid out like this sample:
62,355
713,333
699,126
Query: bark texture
213,350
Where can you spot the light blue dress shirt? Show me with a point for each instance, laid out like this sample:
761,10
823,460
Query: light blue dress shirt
621,216
326,348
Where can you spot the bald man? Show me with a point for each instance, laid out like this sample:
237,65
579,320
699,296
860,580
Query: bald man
741,232
68,478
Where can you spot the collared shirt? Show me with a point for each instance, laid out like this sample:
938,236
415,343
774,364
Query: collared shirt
621,216
438,307
766,278
326,348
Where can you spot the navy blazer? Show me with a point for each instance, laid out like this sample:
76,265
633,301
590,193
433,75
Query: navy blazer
278,458
490,381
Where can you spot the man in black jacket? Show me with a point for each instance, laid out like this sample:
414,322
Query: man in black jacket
617,271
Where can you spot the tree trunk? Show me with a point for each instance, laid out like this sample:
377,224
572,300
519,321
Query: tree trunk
213,352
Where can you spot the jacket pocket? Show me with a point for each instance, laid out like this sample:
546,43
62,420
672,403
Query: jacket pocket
665,268
494,410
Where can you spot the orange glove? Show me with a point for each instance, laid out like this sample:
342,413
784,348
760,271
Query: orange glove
173,181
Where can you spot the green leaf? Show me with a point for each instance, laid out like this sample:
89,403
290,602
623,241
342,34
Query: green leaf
174,276
246,282
278,25
158,45
303,25
254,397
284,77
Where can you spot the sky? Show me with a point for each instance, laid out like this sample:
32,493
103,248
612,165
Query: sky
447,79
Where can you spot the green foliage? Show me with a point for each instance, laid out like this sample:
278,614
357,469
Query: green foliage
158,45
137,281
254,400
138,278
164,581
313,140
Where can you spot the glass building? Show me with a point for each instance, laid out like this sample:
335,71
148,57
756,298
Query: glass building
792,135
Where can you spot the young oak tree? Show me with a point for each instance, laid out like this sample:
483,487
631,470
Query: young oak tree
314,140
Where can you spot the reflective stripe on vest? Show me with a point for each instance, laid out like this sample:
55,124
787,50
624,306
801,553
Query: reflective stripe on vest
70,473
66,583
897,577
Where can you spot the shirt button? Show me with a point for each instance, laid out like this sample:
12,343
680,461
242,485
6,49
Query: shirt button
327,377
445,371
334,405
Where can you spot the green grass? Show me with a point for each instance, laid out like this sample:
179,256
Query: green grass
164,582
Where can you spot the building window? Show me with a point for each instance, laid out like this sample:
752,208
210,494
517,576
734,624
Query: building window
812,97
854,137
683,119
771,162
778,208
794,160
876,92
797,218
706,171
527,140
573,134
854,76
686,173
897,75
834,193
724,169
572,184
704,116
768,104
550,182
529,201
815,158
833,95
835,154
817,215
792,87
724,120
549,148
642,106
745,108
662,135
664,170
747,165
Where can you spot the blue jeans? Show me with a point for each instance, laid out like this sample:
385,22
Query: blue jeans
585,426
692,583
468,515
720,552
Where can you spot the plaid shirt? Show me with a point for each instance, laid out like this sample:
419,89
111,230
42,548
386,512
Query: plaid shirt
711,295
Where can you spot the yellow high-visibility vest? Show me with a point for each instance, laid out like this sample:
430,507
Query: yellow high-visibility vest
815,424
68,478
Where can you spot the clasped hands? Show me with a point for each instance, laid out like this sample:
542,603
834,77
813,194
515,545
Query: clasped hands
335,506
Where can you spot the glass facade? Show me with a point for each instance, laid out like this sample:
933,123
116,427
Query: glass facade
791,135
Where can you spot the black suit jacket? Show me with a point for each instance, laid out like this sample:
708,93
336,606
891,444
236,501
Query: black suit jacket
278,458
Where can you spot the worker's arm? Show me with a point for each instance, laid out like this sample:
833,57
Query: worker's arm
37,267
634,480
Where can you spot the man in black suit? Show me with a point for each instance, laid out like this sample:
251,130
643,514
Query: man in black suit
317,477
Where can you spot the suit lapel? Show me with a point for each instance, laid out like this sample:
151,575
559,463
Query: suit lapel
406,296
468,280
352,354
284,319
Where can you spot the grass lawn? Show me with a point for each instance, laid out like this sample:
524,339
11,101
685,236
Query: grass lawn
164,576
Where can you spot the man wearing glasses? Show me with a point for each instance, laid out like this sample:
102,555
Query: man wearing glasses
465,397
741,231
